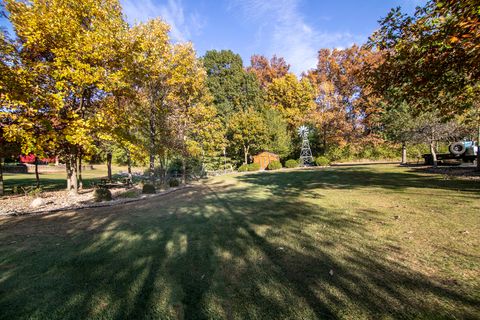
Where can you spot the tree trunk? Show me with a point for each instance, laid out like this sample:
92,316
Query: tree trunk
478,149
2,191
152,145
68,166
245,151
37,178
404,153
109,166
74,177
129,164
434,154
162,171
184,170
80,179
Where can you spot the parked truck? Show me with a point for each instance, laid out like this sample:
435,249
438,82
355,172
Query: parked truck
464,151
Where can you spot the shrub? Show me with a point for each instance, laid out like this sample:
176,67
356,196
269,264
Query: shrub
337,153
129,194
102,194
35,191
249,167
243,168
274,165
148,188
173,183
291,163
322,161
253,167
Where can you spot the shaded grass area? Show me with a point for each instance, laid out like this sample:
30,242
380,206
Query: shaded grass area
339,243
54,180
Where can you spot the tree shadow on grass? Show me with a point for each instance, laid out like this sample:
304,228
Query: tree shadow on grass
47,184
294,183
211,252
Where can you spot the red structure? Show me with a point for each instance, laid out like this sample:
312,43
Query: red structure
31,159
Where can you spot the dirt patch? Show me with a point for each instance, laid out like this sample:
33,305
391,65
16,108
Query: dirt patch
464,173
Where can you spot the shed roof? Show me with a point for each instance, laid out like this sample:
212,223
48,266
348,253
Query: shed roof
266,152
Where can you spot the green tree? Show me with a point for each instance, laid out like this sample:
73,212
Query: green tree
431,58
279,138
400,125
233,88
247,132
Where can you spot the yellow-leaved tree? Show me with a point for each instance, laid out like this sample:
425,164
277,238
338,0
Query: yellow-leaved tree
293,98
68,54
196,129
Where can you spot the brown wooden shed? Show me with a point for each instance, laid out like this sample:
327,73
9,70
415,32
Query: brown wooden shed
264,158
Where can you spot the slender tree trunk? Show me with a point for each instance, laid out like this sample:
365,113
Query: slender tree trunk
184,170
2,191
162,171
152,146
37,177
109,165
68,166
80,179
434,154
74,175
245,152
129,164
478,149
56,161
404,153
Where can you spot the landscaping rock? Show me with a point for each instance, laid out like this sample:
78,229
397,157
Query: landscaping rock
37,203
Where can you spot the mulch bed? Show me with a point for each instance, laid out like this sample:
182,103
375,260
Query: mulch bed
55,201
467,173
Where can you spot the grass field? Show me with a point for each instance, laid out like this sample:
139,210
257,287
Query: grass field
349,242
55,180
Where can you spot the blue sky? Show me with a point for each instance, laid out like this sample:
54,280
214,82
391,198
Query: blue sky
293,29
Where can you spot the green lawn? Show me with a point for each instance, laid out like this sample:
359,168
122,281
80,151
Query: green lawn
55,180
349,242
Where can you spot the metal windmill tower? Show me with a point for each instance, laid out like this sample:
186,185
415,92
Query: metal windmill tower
306,157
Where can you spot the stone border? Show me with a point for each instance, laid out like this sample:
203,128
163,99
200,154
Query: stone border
95,204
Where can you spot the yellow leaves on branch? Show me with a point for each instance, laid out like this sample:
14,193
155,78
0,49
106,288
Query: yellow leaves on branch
86,76
292,97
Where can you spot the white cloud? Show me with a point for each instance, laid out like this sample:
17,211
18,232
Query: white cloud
285,31
182,25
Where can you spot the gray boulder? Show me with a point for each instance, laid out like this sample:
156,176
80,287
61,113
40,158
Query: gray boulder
37,203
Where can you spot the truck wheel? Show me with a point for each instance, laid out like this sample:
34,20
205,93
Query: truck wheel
457,148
